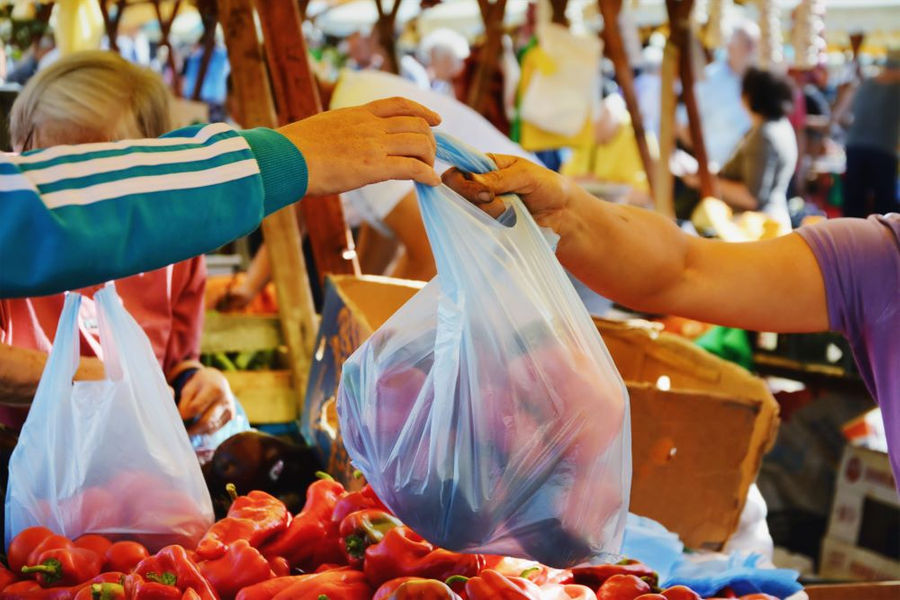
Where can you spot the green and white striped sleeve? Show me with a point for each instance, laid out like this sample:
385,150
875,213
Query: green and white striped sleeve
72,216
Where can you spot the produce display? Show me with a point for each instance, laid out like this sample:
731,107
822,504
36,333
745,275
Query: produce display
341,546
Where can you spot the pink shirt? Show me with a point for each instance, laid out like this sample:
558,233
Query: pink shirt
167,303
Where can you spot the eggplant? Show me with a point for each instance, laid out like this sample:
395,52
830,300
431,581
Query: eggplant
252,460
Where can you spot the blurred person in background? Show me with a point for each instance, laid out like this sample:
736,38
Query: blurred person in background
97,96
719,95
444,52
756,177
870,184
41,51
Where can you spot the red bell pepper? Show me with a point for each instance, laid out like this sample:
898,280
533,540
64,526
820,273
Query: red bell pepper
173,565
268,589
415,588
101,591
651,597
567,591
32,590
337,584
623,587
6,577
65,566
162,587
21,546
680,592
312,537
361,529
52,542
240,567
256,517
593,577
97,544
490,584
125,556
190,594
403,553
354,501
280,566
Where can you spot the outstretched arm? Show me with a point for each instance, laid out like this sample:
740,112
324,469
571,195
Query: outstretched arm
641,259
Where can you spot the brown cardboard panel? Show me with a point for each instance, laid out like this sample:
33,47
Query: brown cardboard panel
887,590
697,438
689,452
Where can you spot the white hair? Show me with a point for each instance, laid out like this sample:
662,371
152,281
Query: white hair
86,97
443,40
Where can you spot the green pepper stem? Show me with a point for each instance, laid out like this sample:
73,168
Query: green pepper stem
456,579
232,491
324,475
524,574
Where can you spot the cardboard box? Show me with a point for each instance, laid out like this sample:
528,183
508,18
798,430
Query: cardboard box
888,590
700,425
863,540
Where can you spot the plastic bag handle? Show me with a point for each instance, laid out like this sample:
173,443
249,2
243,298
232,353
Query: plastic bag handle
119,331
65,355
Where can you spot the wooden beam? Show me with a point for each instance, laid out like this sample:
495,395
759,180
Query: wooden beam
663,192
680,28
165,28
280,230
489,56
384,27
209,15
615,49
110,23
297,96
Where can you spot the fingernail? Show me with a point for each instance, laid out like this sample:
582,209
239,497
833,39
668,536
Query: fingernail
484,197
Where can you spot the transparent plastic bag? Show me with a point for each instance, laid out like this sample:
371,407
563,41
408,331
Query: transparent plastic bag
487,412
109,457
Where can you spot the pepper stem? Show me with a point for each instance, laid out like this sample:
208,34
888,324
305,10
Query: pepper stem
232,491
524,574
51,569
456,579
324,475
165,578
107,591
322,597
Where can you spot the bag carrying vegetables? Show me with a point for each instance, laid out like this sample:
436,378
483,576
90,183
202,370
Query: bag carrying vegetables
486,412
110,457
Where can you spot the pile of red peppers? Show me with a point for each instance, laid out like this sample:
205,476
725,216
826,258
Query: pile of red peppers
341,546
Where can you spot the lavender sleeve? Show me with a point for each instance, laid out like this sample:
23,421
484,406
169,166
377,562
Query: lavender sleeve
860,264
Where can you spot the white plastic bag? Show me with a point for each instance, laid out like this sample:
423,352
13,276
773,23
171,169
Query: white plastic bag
560,99
487,412
109,457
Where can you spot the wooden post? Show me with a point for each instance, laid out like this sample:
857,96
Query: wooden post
280,230
165,27
209,15
615,49
488,59
663,191
111,24
384,26
680,32
558,12
298,98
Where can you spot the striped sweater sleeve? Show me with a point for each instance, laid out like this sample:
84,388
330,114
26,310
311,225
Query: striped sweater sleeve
72,216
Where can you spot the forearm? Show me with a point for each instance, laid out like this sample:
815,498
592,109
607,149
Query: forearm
21,370
630,255
73,216
736,195
260,271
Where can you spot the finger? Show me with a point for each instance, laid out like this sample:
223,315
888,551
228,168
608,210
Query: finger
188,393
413,145
401,167
205,397
463,184
503,161
399,107
407,125
212,419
